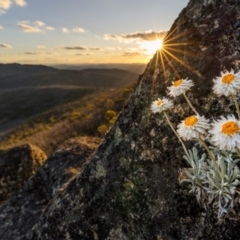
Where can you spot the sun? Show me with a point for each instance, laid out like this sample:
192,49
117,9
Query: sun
150,47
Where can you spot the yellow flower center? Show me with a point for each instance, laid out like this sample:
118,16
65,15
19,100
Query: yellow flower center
177,83
228,78
190,121
159,102
230,128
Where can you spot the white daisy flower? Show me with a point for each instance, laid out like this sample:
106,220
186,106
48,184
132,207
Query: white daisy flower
161,105
226,133
180,87
227,84
192,127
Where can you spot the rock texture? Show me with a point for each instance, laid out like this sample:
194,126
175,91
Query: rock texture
17,165
22,211
129,189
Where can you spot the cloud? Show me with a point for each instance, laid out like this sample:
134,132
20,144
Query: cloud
6,4
64,29
40,23
27,28
132,54
75,48
4,45
49,28
21,3
95,49
31,53
37,26
137,36
1,27
36,53
78,30
82,48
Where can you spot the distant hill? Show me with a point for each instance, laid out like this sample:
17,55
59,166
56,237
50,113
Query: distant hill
38,92
132,67
44,76
29,93
16,69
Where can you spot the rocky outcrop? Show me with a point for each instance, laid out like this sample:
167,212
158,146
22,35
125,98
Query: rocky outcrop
22,211
129,188
17,165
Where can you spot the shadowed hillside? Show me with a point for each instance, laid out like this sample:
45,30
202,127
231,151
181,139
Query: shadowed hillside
17,69
50,77
27,90
134,67
33,104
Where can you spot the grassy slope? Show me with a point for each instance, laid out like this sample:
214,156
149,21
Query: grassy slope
81,117
25,95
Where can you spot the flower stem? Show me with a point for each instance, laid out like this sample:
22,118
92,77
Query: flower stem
211,156
237,106
238,152
189,103
170,124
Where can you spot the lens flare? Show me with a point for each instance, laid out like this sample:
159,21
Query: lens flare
150,47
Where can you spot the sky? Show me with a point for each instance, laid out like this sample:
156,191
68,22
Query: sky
84,31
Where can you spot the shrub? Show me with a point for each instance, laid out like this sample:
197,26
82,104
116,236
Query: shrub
102,129
109,115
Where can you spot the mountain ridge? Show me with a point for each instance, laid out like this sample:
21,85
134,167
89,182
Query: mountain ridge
7,69
86,77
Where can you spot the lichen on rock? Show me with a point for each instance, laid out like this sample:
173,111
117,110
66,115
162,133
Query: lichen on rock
19,215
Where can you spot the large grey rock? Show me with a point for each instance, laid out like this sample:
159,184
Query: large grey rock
130,188
17,165
22,211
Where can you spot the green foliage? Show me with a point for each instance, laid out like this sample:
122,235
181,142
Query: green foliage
102,129
109,115
113,120
210,187
127,91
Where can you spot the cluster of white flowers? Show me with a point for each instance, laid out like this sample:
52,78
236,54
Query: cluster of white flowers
215,180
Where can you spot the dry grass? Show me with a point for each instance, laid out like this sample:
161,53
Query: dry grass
51,128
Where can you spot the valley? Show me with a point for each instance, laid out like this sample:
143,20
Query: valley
46,106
